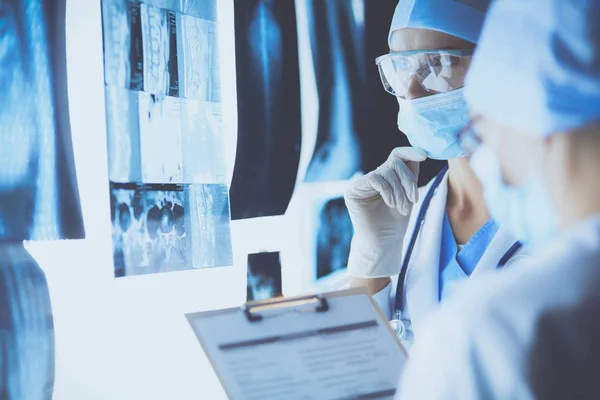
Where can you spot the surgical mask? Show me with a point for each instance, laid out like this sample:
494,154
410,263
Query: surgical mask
526,211
431,123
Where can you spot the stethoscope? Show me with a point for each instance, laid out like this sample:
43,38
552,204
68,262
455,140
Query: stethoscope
399,303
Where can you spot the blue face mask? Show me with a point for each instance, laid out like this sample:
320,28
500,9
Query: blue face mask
525,211
432,123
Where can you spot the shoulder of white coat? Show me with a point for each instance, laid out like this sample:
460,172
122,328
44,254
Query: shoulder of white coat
464,331
512,324
517,318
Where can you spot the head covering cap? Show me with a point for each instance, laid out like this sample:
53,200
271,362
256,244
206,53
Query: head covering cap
537,65
460,18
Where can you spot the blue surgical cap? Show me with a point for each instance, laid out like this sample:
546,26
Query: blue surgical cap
537,66
460,18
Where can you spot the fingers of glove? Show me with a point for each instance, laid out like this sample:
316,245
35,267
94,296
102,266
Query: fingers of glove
411,156
399,194
385,189
407,179
361,189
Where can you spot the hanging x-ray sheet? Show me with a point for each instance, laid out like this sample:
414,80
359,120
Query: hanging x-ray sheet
268,93
338,52
167,171
39,198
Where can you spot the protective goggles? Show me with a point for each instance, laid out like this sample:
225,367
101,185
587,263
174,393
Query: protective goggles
437,71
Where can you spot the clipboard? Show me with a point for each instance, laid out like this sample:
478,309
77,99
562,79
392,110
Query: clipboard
331,346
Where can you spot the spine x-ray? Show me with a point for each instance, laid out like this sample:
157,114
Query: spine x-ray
168,187
269,121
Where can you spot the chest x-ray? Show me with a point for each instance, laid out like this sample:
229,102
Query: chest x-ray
169,198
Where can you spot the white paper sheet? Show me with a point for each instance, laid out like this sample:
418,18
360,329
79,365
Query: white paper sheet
347,352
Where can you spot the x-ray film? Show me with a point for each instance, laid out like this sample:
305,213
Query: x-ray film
162,228
39,199
199,8
339,64
264,276
334,234
269,120
196,8
168,140
159,30
160,139
123,44
203,154
169,199
148,228
199,65
209,223
123,135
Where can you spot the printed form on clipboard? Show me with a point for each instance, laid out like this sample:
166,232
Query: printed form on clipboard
333,346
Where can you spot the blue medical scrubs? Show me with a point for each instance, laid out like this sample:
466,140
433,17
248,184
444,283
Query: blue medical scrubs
458,263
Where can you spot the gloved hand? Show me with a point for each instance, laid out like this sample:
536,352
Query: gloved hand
380,204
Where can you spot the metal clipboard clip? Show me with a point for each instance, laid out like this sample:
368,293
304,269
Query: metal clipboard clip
297,304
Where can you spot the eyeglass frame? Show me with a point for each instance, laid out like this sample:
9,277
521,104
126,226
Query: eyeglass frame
450,52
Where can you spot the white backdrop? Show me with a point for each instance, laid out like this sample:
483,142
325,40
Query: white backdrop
127,338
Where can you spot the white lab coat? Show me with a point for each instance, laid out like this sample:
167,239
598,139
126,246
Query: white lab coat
421,286
530,332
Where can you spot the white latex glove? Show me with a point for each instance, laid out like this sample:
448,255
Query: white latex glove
380,204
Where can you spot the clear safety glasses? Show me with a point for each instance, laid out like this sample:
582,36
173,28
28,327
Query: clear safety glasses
468,138
436,71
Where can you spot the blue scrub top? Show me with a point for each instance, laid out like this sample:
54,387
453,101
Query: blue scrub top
457,265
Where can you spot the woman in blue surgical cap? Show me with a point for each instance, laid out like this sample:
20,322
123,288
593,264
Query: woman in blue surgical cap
531,332
428,240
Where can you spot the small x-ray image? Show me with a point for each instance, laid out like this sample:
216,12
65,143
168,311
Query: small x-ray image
334,235
205,9
39,197
159,30
169,227
123,44
198,8
264,276
148,228
198,59
123,135
160,138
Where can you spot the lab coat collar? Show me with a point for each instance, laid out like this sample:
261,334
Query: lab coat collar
500,244
422,276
